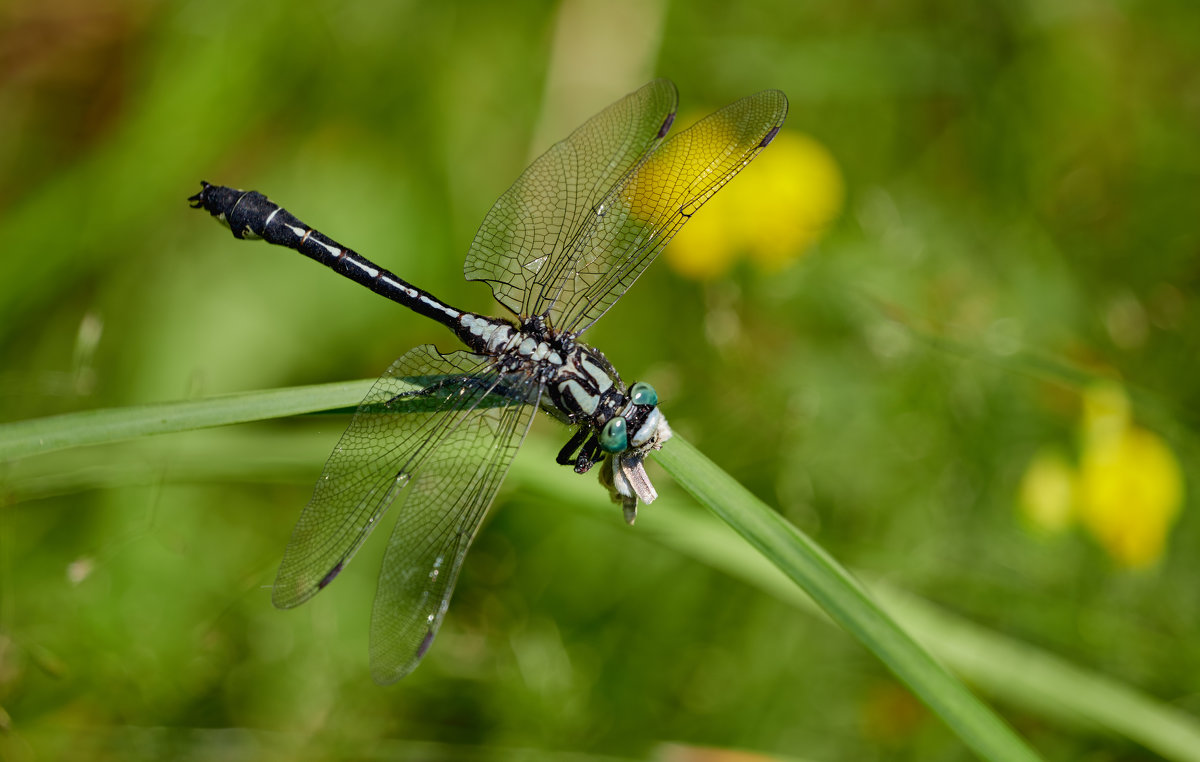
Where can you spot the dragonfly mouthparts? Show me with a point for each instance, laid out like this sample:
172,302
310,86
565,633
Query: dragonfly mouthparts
625,474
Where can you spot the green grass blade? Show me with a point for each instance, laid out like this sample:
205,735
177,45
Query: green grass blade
41,435
846,602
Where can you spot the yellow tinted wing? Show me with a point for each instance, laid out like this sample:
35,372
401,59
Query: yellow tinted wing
524,244
641,214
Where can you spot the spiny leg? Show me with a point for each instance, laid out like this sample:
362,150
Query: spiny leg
589,452
589,455
566,456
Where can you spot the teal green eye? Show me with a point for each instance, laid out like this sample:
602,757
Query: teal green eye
643,394
613,437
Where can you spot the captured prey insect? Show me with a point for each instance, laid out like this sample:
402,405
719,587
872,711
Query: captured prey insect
558,249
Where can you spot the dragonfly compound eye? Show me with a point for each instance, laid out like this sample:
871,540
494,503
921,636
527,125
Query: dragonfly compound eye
643,394
613,437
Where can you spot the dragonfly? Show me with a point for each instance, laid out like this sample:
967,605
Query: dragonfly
438,431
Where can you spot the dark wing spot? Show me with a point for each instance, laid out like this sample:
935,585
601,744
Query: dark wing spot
768,137
666,125
329,577
426,642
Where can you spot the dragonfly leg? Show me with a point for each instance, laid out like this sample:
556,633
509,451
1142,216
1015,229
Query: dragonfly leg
589,455
566,456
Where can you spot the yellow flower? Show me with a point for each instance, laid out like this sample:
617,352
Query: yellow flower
1128,488
1130,483
1046,497
772,211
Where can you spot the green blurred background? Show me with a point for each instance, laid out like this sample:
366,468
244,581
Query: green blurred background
977,381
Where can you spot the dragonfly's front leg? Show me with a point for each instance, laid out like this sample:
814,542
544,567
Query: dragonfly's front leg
566,456
589,453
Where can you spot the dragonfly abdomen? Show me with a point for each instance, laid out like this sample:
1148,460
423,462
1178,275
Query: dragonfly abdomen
250,214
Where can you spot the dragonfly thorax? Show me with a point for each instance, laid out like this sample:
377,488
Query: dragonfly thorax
625,425
586,388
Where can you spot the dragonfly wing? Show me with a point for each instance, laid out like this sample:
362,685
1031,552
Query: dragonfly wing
378,456
526,240
444,507
649,206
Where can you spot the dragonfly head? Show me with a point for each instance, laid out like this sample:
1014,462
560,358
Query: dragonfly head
628,438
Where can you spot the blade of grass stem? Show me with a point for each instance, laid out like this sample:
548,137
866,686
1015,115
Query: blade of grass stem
42,435
845,600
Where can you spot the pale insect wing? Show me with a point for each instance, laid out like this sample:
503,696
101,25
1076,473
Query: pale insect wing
526,240
443,509
648,207
404,418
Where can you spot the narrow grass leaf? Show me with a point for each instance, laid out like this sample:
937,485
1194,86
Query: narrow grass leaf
42,435
845,600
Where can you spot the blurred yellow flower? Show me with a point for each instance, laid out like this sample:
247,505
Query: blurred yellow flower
1127,491
1046,496
1130,483
771,212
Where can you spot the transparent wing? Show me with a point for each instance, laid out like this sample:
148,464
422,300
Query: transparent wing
426,411
649,206
444,507
528,238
